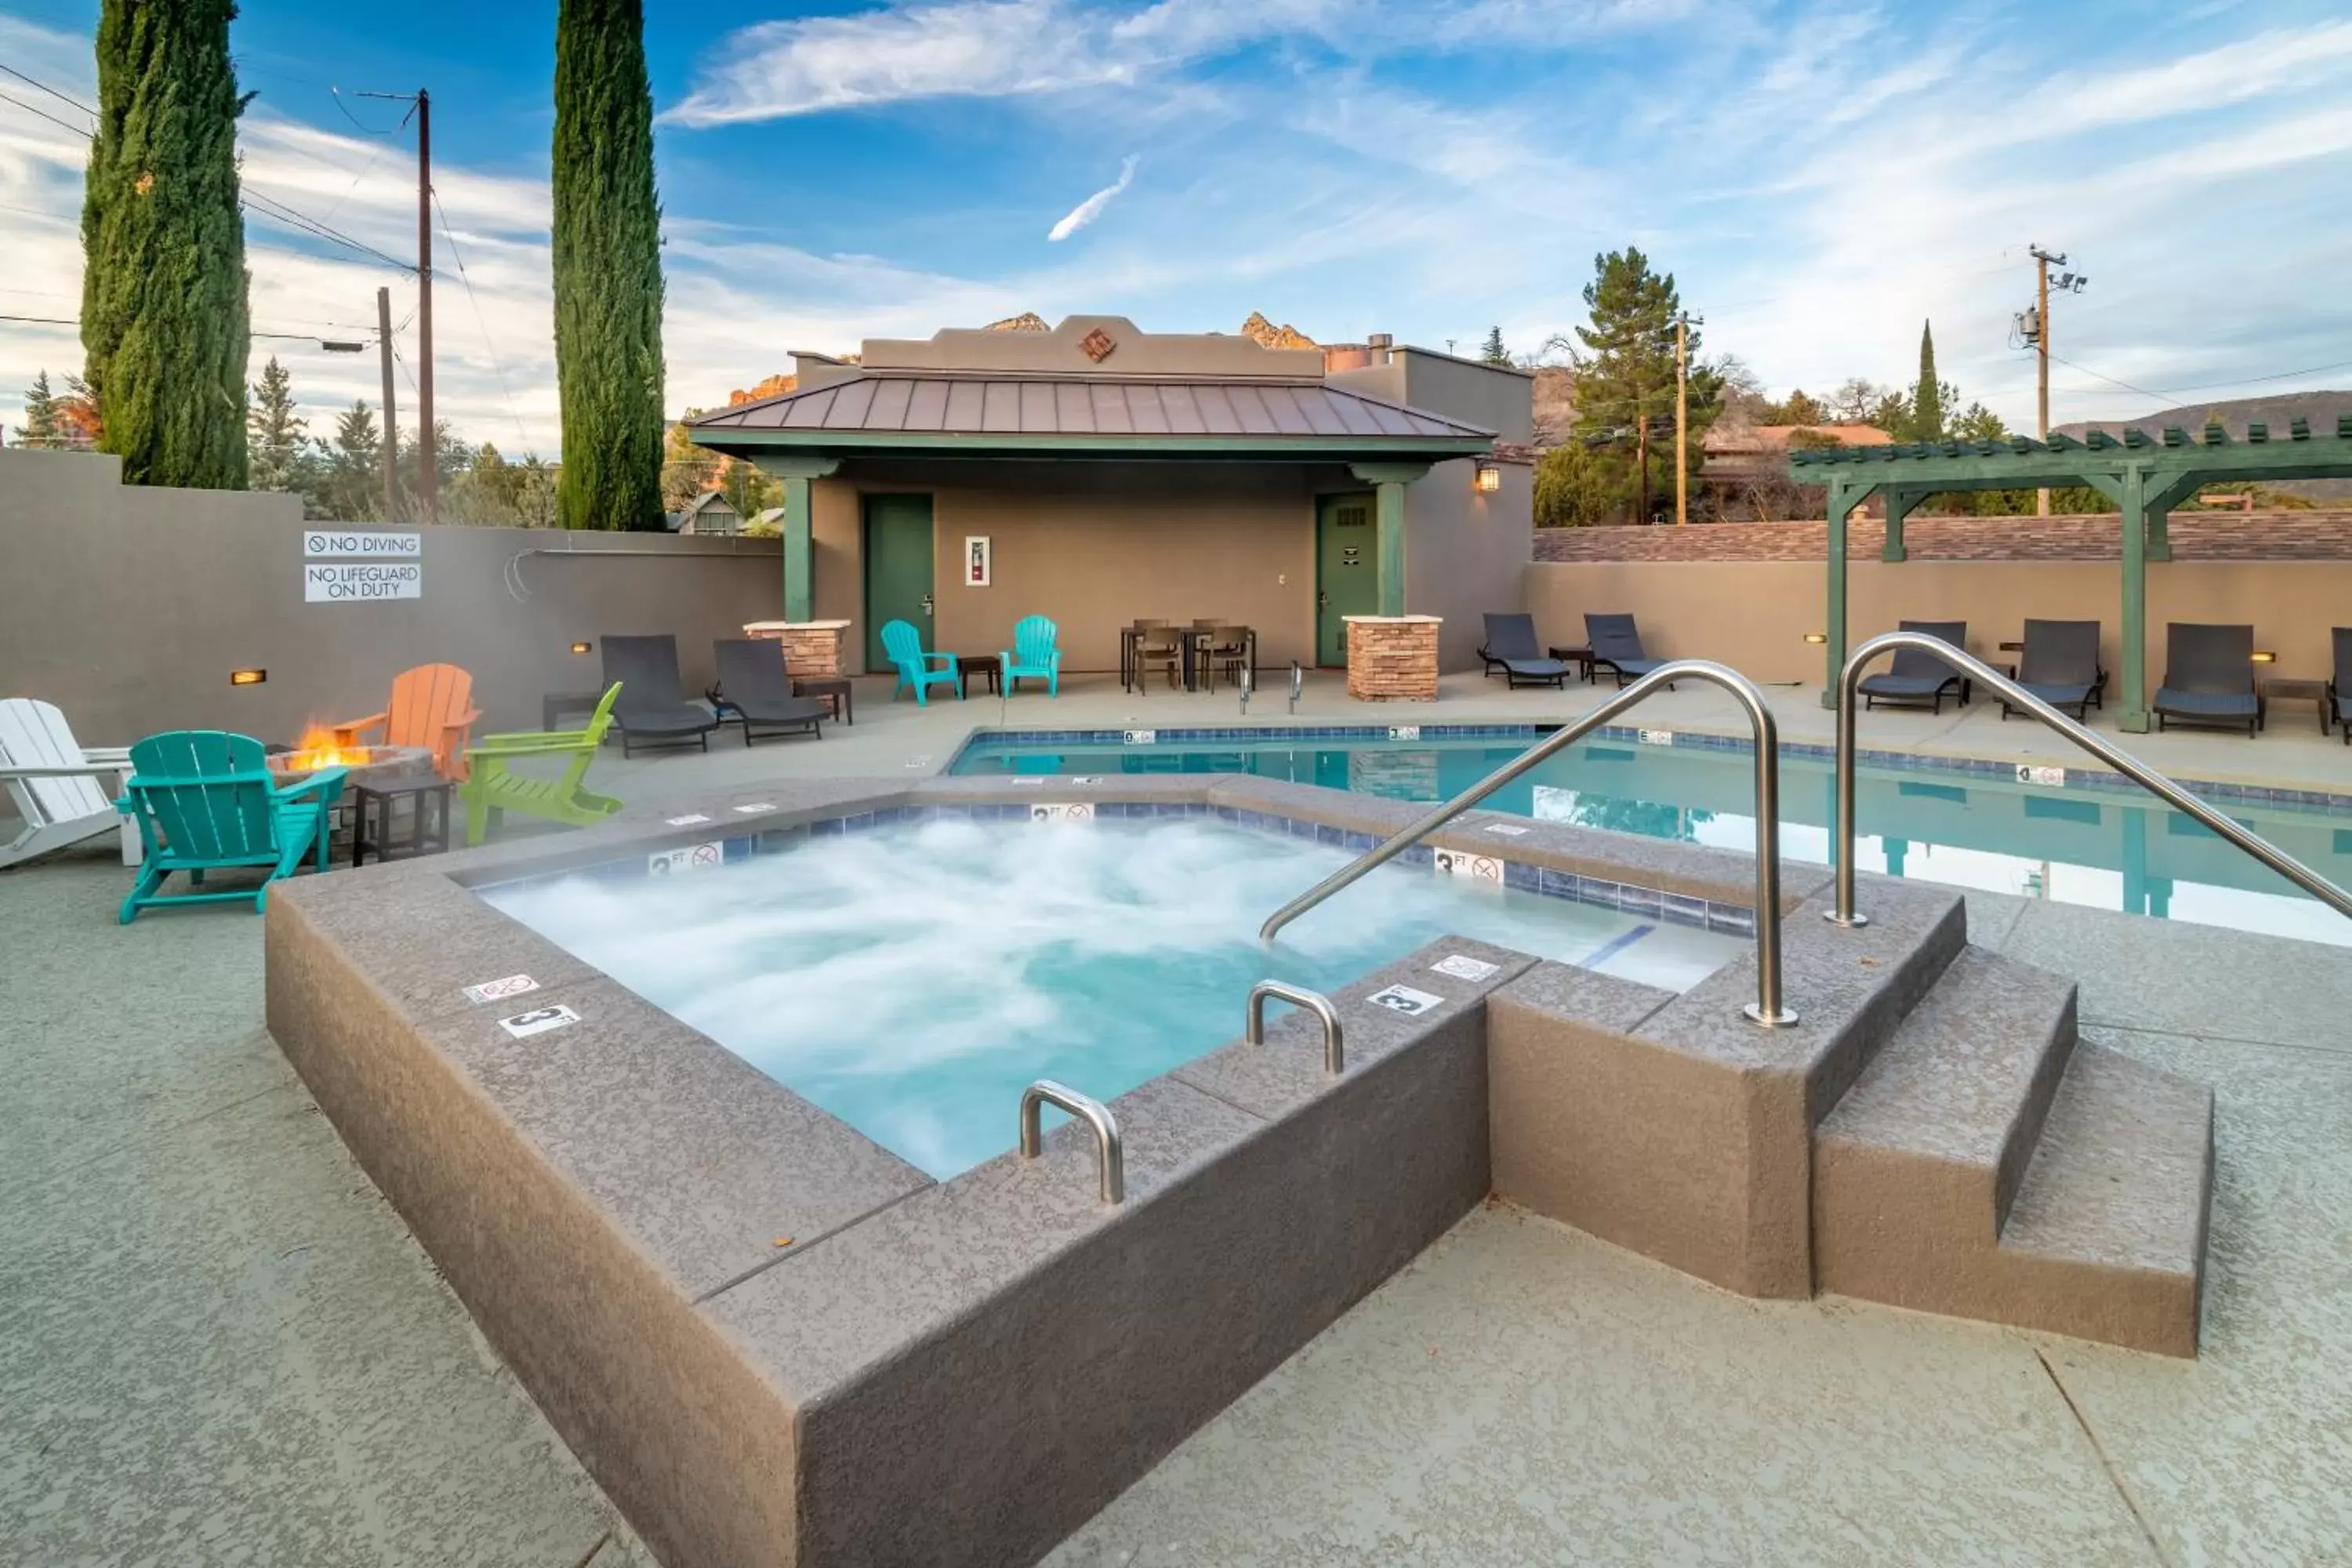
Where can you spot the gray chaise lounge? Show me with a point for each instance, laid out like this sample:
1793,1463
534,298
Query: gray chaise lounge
1511,648
1920,676
651,711
2209,677
2060,666
1616,642
753,682
2338,705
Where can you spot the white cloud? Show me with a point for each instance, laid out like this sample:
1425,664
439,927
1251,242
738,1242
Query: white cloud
1087,211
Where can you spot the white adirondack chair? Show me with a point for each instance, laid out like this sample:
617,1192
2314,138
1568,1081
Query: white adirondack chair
57,784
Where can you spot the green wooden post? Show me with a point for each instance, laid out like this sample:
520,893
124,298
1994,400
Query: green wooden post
2133,716
1388,482
1899,505
1843,501
800,538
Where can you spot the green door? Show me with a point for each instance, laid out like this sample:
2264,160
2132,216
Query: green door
897,569
1346,572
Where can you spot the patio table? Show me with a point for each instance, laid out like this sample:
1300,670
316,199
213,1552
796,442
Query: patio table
1579,656
988,664
2314,692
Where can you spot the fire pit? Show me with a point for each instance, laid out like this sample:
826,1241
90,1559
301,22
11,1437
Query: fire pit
366,764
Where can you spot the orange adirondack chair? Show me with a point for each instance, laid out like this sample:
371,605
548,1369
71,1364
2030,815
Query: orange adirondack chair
432,707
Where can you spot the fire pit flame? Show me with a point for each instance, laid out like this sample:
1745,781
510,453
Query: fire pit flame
318,750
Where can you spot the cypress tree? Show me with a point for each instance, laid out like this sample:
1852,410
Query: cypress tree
1928,398
163,322
608,280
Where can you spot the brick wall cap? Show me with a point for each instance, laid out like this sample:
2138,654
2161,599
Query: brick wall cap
756,628
1394,620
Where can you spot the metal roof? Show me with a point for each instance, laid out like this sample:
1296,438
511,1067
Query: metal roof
879,409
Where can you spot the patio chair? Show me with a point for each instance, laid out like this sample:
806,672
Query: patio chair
493,789
2338,705
53,781
1231,649
2209,677
1158,645
205,801
904,645
1616,642
2060,666
752,680
1511,648
653,712
432,707
1033,654
1920,676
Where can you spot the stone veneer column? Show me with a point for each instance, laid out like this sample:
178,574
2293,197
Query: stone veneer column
810,648
1393,658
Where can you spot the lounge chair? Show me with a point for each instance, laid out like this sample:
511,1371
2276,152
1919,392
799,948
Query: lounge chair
753,682
1616,642
54,782
653,712
1511,648
207,801
1033,654
2338,705
492,789
432,707
1920,676
2060,666
2209,677
904,646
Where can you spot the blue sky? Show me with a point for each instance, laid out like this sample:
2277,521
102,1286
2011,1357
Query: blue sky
1820,175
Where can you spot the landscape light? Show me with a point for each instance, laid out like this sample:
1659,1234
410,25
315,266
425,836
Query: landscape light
247,677
1817,638
2266,656
1490,479
580,647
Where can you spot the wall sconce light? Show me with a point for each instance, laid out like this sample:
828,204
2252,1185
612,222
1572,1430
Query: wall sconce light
247,677
1489,480
1817,638
2265,656
580,647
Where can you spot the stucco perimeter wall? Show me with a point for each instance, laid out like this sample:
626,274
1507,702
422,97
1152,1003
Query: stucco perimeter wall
1092,545
128,607
1754,614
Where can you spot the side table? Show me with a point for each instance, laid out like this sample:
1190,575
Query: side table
2312,691
988,664
556,704
1579,656
830,689
375,813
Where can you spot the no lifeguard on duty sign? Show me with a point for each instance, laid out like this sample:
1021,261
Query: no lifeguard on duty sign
350,566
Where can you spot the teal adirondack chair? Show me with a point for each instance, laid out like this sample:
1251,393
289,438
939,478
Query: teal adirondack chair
493,789
205,801
1033,654
904,645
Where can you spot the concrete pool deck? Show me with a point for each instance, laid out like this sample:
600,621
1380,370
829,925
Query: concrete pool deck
218,1344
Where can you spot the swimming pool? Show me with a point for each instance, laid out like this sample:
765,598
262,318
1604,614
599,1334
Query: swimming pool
913,979
1978,826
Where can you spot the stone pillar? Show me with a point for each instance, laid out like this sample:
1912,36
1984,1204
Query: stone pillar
810,648
1393,658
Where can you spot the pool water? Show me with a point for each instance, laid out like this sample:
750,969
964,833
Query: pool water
913,980
2106,849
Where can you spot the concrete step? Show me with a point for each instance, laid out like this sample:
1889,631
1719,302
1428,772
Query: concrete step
1937,1133
1983,1169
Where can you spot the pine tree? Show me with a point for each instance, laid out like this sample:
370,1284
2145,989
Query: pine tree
351,489
40,425
608,279
163,321
277,447
1625,384
1928,397
1493,351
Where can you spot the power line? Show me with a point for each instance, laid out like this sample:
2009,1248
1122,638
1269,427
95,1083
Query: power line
479,319
53,92
81,131
2180,392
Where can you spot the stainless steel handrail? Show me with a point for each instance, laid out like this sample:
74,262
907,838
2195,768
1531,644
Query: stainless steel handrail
1335,1052
1767,1009
1297,683
2115,756
1093,1112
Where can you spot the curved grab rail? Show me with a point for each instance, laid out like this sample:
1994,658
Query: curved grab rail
2016,696
1335,1051
1094,1114
1767,1009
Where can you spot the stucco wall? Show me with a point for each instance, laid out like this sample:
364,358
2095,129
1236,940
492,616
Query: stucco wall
1754,614
1466,553
128,607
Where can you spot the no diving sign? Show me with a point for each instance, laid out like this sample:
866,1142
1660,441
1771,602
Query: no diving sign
354,581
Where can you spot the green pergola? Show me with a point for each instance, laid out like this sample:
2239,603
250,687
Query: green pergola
2145,476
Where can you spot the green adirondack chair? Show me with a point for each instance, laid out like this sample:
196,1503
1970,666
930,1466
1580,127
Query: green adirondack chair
904,645
1033,654
494,789
205,801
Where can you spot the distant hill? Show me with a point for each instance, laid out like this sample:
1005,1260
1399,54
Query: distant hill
2320,408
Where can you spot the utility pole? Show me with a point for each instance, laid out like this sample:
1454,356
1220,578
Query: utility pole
1682,415
391,420
427,447
2038,335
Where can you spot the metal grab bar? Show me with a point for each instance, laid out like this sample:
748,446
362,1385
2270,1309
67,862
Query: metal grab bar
1093,1112
2116,757
1297,683
1767,1009
1335,1054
